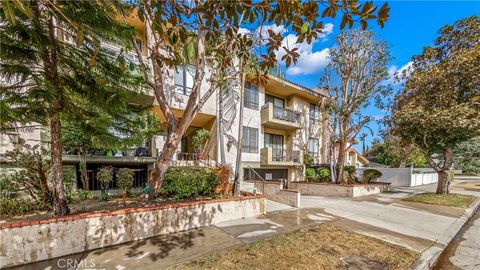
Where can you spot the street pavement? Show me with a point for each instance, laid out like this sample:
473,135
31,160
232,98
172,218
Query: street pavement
424,228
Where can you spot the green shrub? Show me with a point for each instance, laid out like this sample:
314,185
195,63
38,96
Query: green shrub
135,192
310,174
81,195
350,170
7,188
371,175
17,207
189,182
105,177
323,175
307,159
125,181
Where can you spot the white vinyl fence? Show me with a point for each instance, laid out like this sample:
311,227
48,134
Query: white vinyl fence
406,177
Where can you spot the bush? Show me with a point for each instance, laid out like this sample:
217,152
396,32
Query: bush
135,192
307,159
80,195
323,175
125,181
371,175
350,170
310,174
189,182
7,188
17,207
105,177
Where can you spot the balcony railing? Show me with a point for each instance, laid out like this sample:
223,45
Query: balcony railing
134,152
279,117
285,114
192,159
284,158
115,49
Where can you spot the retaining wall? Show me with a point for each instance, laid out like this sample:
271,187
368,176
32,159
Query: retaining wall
30,241
335,190
275,192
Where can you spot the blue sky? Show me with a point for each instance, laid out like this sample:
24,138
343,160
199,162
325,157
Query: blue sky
411,26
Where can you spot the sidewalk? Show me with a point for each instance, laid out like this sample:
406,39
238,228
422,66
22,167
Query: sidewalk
464,250
424,228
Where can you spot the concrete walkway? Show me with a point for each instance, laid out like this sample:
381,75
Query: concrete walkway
424,228
464,250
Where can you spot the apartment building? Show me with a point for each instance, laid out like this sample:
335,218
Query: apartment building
282,122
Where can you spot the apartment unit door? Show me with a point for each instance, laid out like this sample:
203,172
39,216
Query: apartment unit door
275,142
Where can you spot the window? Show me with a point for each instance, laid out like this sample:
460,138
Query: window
251,96
277,102
275,142
313,147
314,114
250,140
184,79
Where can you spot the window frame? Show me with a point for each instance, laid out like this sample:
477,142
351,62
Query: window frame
185,90
314,113
316,146
251,90
273,99
246,140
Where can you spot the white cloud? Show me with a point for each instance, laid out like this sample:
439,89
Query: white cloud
243,31
263,31
327,30
394,70
310,63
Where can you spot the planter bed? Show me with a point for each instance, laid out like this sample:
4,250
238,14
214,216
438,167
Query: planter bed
27,241
337,190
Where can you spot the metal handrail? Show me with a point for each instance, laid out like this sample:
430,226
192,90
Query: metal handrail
261,178
182,159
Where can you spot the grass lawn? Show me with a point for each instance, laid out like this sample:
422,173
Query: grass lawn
320,247
452,199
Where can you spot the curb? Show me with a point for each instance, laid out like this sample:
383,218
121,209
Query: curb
429,257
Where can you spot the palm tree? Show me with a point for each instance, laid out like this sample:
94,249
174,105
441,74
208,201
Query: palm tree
44,72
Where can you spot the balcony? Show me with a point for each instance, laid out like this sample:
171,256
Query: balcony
292,158
141,154
280,118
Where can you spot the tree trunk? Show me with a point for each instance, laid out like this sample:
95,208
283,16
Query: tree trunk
50,62
443,182
444,171
163,161
341,162
83,167
60,206
236,186
46,193
220,127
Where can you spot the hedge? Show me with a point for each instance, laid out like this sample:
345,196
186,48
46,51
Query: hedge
189,182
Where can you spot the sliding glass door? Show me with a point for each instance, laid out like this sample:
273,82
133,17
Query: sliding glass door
275,142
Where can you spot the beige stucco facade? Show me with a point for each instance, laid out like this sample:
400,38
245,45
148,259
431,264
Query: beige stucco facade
220,115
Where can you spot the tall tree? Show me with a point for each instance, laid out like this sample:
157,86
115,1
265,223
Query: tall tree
439,105
391,151
467,156
42,69
359,63
188,32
